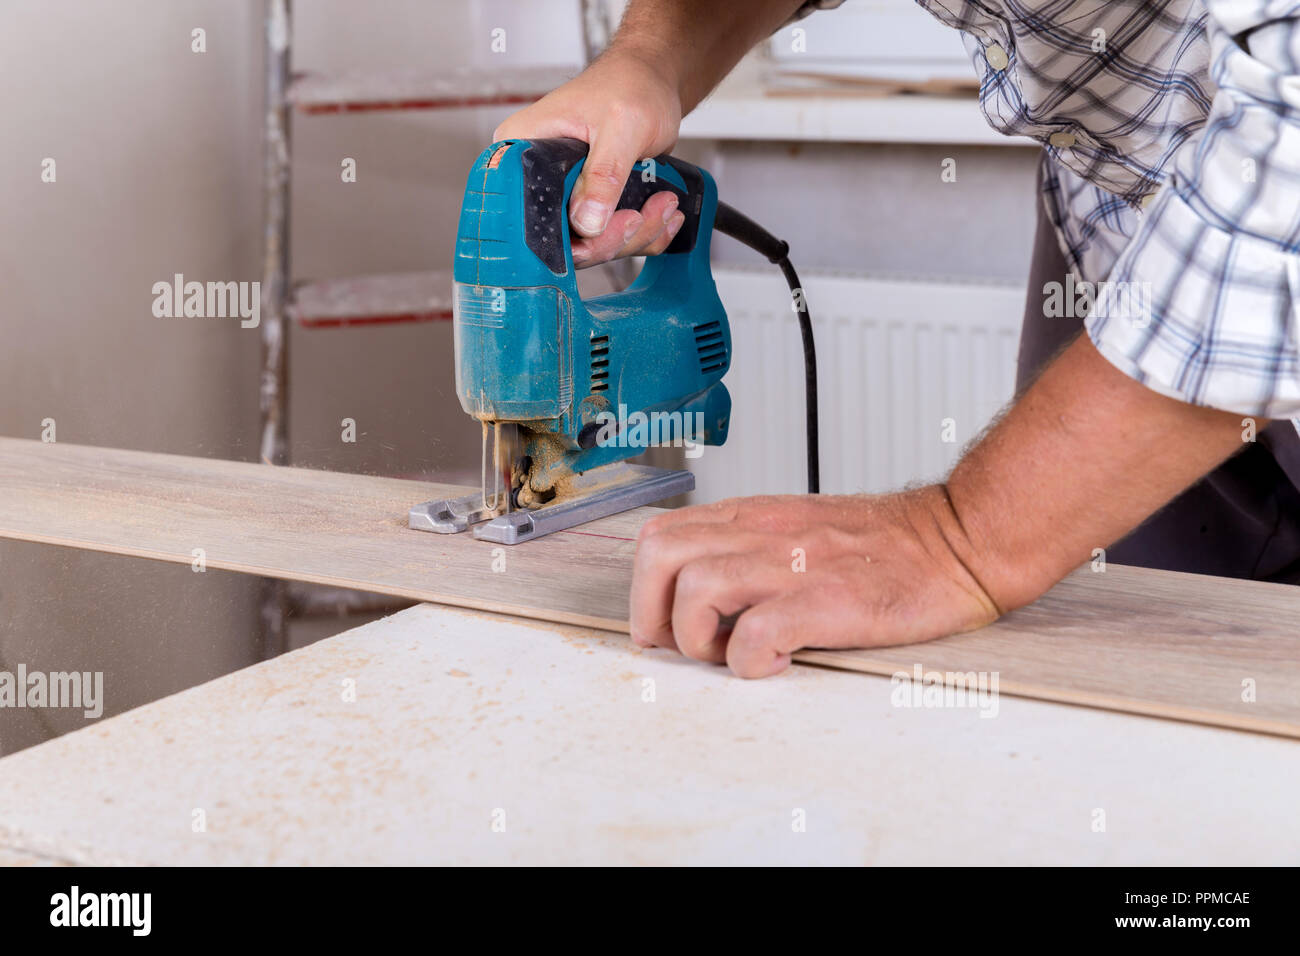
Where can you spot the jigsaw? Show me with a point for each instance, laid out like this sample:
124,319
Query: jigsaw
567,390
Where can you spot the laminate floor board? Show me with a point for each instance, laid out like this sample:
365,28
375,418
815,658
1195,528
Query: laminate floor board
1180,646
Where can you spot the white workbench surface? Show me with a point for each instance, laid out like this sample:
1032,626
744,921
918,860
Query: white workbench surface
459,716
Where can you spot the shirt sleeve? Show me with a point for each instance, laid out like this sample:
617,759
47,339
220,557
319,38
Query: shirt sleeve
812,6
1203,303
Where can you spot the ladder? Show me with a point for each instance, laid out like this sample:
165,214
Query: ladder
361,301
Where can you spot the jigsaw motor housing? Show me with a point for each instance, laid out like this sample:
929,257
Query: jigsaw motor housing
594,381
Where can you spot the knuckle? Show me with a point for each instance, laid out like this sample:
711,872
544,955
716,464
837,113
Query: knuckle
654,527
755,629
604,246
658,244
603,172
730,508
843,586
651,555
693,581
630,113
829,541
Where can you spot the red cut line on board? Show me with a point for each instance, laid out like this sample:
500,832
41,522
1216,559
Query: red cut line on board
592,534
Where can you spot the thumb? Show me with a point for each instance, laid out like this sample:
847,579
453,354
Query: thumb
613,152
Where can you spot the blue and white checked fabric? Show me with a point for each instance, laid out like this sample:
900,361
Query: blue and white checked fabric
1172,171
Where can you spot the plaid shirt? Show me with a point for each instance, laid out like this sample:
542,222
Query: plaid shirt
1172,170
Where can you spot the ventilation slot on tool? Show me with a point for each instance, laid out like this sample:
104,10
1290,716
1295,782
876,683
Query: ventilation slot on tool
599,363
710,346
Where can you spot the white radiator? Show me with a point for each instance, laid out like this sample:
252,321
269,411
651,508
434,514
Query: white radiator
908,371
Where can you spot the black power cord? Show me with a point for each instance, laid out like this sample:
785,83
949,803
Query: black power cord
730,222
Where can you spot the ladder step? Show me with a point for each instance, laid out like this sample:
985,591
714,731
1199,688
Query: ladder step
358,91
372,300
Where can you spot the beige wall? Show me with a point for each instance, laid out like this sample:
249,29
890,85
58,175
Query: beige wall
158,156
157,165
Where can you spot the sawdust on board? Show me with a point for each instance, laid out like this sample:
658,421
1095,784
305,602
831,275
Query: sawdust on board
546,451
583,484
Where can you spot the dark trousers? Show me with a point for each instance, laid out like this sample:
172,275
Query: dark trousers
1242,520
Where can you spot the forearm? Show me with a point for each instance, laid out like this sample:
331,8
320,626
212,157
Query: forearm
697,42
1080,460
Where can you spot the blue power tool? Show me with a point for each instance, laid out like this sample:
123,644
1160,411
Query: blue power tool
568,389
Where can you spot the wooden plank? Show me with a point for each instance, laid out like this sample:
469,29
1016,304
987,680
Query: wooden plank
294,523
463,718
1179,646
1169,645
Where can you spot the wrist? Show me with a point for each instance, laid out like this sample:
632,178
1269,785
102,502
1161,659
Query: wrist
938,525
649,54
1011,570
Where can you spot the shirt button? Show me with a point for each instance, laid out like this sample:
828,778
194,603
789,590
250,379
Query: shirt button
1146,200
1061,140
996,56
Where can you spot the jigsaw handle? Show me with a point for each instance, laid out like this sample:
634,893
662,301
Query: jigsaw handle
649,177
514,223
550,170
